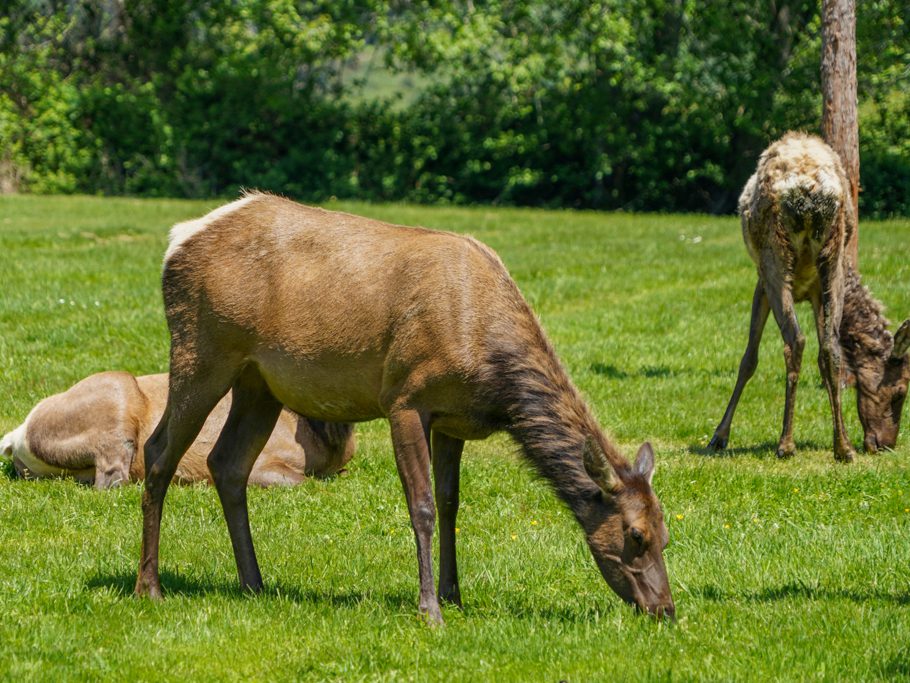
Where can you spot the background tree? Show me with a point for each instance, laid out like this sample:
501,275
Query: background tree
840,125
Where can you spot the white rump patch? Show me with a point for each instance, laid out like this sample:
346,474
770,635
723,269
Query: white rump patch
828,183
792,182
14,443
15,446
181,232
824,184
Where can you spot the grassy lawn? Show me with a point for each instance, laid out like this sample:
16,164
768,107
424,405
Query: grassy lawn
792,570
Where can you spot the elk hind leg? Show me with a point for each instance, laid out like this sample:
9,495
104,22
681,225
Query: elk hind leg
747,365
192,394
446,473
827,323
794,342
254,412
113,459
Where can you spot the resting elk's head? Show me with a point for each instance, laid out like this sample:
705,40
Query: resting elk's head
880,394
626,531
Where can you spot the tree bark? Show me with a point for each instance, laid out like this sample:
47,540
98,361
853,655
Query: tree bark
840,127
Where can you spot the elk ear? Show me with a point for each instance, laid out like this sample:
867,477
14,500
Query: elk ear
599,468
644,462
901,340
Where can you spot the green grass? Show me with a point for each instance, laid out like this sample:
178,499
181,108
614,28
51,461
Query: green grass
791,570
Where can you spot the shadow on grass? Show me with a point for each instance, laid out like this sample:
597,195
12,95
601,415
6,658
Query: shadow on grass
899,665
174,585
611,371
8,470
649,371
800,590
762,451
193,587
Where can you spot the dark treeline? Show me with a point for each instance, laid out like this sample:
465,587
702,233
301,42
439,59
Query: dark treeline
625,104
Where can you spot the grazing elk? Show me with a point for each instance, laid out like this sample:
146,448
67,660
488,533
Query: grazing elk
93,431
797,215
342,318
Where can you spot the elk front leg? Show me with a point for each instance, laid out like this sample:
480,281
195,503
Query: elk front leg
254,412
747,365
412,456
794,343
446,470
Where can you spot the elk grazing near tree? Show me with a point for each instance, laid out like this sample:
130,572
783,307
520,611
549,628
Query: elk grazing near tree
797,216
93,431
343,318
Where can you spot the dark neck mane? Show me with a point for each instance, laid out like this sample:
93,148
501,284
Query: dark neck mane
548,418
864,335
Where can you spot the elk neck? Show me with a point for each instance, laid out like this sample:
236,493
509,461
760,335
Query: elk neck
864,333
547,417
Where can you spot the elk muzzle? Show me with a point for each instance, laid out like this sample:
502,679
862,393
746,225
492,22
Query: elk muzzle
642,582
652,591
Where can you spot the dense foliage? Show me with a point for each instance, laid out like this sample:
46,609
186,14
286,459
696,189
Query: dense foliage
623,104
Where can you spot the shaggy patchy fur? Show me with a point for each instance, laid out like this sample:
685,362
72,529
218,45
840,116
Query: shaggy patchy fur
864,334
797,217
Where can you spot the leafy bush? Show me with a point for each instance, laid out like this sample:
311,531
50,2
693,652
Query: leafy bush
638,105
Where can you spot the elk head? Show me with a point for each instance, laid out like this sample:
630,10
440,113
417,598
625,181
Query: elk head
626,532
880,396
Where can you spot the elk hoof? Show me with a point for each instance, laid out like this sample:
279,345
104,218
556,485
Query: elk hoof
786,450
451,596
718,443
844,455
432,616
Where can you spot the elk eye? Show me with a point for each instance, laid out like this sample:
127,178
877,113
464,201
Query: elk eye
636,535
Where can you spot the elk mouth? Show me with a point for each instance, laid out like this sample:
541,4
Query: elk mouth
660,611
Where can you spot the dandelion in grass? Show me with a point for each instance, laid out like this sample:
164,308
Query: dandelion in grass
533,522
680,517
514,536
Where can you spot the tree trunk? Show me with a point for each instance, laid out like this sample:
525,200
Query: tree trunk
839,119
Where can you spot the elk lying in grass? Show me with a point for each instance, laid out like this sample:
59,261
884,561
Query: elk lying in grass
797,216
342,318
93,431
